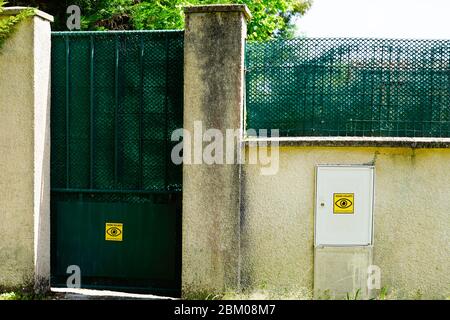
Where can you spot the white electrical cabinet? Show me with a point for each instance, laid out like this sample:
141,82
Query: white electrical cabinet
344,205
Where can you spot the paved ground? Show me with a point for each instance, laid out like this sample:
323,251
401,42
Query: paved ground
87,294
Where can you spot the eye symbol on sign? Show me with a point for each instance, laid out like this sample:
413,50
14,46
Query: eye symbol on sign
344,203
114,232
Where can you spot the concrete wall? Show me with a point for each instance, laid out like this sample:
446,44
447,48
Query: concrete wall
247,231
411,216
25,146
241,229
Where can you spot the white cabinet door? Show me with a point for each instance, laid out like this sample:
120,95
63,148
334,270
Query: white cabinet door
344,205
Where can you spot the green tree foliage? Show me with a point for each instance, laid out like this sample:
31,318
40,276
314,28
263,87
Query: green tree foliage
271,18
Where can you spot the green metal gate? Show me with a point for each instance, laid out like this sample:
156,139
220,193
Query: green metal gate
116,98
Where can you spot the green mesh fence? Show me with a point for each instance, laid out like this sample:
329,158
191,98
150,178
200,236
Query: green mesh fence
349,87
116,98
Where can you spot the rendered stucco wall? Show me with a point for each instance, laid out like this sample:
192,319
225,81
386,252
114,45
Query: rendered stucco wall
24,148
411,217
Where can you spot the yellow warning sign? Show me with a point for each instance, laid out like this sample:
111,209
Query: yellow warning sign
114,231
343,203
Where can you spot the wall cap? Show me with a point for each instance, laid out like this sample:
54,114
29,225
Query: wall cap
220,8
9,11
399,142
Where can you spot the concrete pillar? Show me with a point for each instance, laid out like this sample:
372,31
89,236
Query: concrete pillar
213,95
25,153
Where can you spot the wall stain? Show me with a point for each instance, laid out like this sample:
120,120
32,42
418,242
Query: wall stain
374,160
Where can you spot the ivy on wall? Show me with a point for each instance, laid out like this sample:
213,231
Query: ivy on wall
9,23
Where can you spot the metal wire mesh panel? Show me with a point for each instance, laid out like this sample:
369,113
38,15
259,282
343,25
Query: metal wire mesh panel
349,87
116,98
